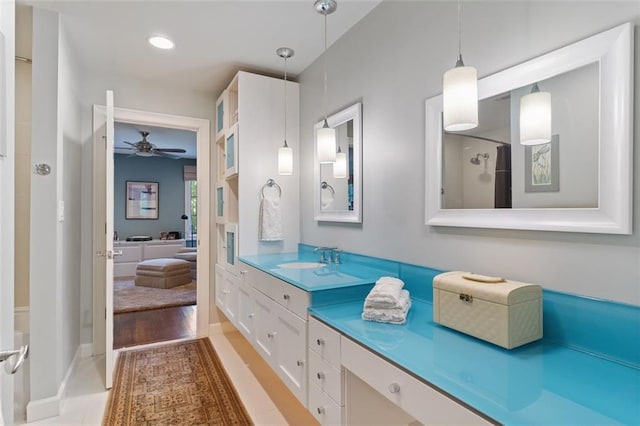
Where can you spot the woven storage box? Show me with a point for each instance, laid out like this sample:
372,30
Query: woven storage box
507,313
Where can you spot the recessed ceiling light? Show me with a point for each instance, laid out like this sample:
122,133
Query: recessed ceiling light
161,42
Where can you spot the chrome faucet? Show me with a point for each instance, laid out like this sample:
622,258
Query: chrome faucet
332,257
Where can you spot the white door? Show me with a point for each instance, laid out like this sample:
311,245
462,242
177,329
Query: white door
265,330
108,246
103,124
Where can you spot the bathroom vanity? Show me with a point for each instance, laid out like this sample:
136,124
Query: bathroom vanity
306,323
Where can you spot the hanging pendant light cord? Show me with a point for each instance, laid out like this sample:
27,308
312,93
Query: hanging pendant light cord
285,101
325,67
459,32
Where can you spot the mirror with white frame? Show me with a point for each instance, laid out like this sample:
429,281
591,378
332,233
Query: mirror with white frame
580,181
338,194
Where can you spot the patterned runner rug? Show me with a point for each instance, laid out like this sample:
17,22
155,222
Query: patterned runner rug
177,384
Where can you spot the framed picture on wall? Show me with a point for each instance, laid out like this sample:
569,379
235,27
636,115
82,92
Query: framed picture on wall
542,167
142,200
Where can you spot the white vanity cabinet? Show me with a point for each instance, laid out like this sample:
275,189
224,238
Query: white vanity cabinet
134,252
414,397
272,315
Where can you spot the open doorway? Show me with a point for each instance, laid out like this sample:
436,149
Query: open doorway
155,230
103,131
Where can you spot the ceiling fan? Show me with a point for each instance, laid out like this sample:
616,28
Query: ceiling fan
144,148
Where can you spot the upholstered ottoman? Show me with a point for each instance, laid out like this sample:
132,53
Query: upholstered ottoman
163,273
189,254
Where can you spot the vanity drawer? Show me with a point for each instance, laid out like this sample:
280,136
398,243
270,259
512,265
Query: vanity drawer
323,408
326,377
291,297
324,341
419,400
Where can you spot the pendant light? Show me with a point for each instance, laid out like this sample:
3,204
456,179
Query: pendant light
326,136
285,153
460,93
340,166
535,117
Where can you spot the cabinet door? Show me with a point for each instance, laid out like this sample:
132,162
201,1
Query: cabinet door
220,203
231,295
264,326
222,114
231,152
291,352
231,247
246,310
220,288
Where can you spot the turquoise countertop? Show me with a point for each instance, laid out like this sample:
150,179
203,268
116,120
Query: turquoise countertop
539,383
328,277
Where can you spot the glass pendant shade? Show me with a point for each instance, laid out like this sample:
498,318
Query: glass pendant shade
460,99
285,160
340,166
535,118
326,144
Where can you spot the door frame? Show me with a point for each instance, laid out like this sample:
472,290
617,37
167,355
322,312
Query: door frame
201,127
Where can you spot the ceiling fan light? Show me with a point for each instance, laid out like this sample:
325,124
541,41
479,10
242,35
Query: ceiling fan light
144,154
161,42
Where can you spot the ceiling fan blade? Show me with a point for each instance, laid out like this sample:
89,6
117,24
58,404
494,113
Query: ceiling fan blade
124,147
132,144
167,155
180,150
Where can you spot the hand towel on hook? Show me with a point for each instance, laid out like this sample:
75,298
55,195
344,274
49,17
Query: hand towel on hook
270,226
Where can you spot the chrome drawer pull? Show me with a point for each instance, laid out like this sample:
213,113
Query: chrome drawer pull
320,410
271,335
300,363
320,375
394,388
320,342
251,315
286,297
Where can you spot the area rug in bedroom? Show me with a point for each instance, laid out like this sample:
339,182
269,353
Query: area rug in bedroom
127,297
176,384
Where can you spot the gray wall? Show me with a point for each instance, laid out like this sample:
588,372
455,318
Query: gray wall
392,61
54,243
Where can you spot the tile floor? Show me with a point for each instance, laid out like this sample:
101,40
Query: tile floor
266,398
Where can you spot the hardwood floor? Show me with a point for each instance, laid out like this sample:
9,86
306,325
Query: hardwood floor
157,325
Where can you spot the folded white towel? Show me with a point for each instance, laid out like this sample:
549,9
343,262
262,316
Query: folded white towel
395,316
270,226
385,294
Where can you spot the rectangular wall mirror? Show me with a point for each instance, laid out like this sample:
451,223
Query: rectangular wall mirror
338,189
579,181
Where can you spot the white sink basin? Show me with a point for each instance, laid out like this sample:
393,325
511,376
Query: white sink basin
301,265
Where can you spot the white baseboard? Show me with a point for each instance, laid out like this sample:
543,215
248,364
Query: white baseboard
50,407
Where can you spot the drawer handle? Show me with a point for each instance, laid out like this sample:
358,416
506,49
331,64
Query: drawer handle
320,375
300,363
243,272
394,388
286,297
321,410
320,342
466,297
251,315
271,335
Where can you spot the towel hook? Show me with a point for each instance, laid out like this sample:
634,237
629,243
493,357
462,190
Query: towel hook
325,185
271,183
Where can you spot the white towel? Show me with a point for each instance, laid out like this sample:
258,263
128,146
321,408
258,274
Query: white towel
270,221
385,294
395,315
